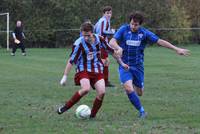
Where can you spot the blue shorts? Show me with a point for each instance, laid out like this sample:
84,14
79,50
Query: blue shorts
136,74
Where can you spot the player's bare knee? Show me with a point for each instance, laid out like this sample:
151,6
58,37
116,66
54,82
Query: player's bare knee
83,92
85,89
139,91
128,88
101,92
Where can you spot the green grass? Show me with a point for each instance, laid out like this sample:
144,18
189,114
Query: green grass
30,94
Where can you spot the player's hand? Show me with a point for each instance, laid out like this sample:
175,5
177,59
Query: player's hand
125,66
16,41
63,80
113,31
184,52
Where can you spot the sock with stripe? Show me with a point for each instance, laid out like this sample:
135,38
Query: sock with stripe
74,99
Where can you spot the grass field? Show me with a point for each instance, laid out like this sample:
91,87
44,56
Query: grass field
30,94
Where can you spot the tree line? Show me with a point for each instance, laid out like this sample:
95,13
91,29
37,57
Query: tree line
47,23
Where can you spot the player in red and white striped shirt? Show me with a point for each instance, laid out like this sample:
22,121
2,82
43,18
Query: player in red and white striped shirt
86,57
103,28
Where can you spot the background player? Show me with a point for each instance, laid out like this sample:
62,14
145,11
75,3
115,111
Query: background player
103,28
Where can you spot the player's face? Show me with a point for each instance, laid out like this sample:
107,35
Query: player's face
19,23
134,25
88,36
108,14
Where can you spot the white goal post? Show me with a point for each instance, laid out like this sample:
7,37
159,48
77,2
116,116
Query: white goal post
7,27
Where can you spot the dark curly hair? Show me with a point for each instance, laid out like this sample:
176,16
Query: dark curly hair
136,16
87,27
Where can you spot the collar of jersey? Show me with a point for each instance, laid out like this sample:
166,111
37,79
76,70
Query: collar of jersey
129,29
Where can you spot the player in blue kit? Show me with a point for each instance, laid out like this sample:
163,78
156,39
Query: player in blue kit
133,38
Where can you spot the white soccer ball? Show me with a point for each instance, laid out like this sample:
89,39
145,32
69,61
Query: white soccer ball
83,112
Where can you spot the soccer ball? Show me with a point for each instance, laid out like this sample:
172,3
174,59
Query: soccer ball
83,112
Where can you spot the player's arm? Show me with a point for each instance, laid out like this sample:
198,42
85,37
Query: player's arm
66,72
23,35
74,56
15,39
108,31
178,50
113,43
115,54
119,61
117,38
155,39
117,50
14,36
68,67
105,45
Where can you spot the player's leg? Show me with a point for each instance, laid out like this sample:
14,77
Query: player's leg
139,90
85,88
22,49
126,78
106,62
138,80
14,48
76,79
132,95
77,82
100,91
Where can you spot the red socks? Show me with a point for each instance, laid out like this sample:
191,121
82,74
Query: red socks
74,99
96,106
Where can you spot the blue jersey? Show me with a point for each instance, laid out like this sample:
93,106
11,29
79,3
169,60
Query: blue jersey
87,57
134,43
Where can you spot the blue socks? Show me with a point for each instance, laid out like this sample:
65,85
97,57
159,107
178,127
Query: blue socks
134,99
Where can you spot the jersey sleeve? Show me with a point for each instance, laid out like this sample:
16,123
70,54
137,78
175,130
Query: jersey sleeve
119,34
76,53
106,28
77,42
106,46
103,27
14,36
72,50
99,27
151,37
